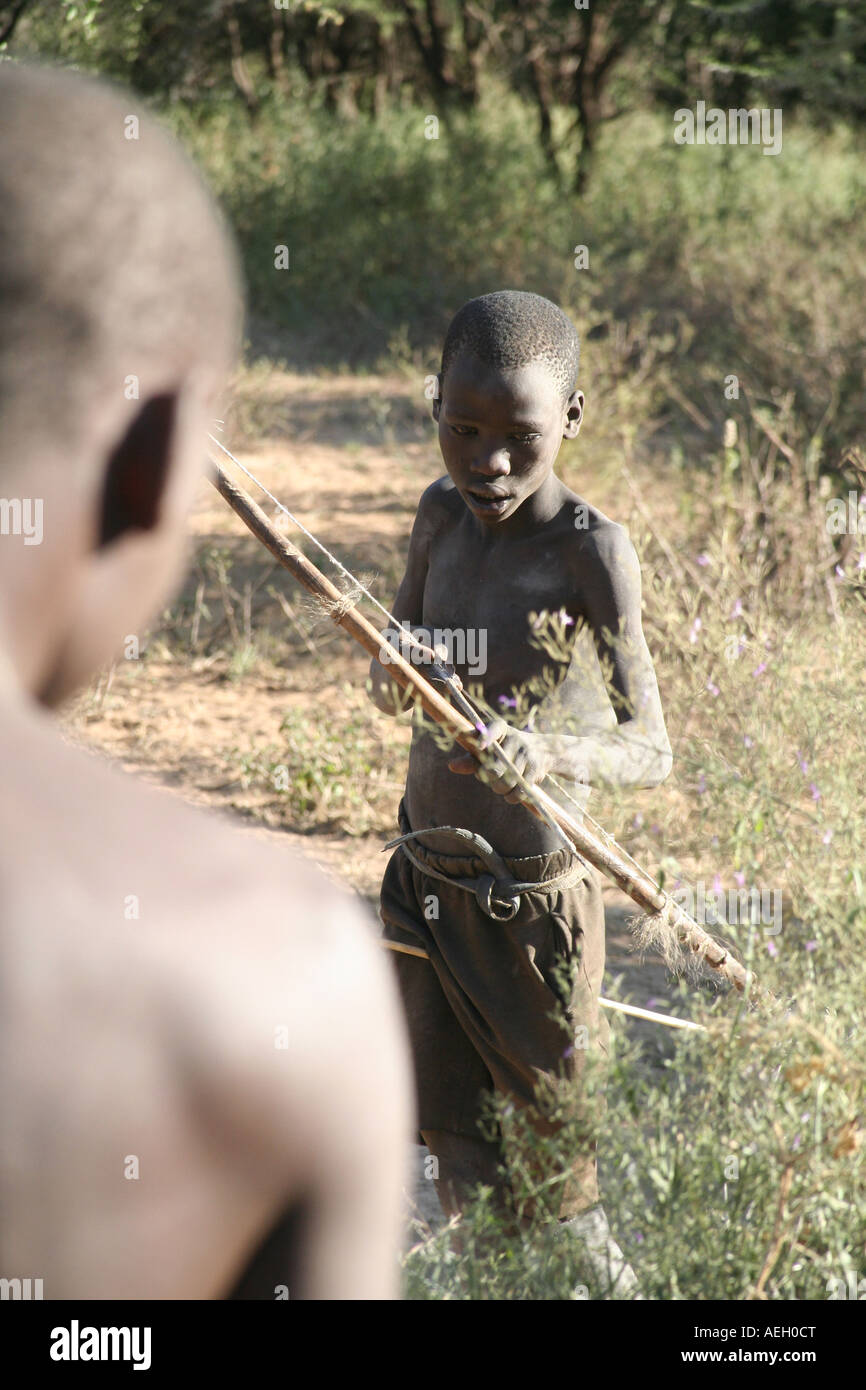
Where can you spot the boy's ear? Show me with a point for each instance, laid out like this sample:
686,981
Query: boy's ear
437,399
136,558
573,415
137,471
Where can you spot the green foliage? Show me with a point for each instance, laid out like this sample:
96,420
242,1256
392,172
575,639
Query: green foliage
385,228
707,265
155,46
790,52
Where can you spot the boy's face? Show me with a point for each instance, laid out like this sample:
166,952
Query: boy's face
500,429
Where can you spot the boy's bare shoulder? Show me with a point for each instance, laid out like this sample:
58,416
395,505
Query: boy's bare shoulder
603,547
217,935
439,505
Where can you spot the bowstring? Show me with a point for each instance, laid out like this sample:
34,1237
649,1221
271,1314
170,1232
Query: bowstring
356,583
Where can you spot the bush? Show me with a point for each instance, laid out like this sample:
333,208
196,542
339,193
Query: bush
705,263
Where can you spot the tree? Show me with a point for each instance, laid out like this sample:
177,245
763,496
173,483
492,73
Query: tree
800,53
570,56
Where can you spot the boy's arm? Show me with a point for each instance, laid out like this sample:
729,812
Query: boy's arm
408,606
638,752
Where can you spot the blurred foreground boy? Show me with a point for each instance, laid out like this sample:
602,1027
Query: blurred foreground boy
495,544
202,1084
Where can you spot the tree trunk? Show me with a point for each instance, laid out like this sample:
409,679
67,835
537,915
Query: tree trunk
384,71
240,73
541,90
276,57
476,45
8,28
596,59
432,45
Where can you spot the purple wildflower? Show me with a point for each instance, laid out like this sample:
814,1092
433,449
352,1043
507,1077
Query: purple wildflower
811,946
760,669
816,795
739,878
772,948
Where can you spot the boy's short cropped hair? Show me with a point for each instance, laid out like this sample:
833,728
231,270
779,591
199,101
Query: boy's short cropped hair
114,260
512,328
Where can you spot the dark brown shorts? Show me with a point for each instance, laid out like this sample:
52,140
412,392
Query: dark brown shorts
479,1008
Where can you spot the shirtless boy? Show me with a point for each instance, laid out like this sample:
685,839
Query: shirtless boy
498,539
202,1080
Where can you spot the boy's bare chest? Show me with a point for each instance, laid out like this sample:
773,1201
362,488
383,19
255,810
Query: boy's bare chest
484,598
